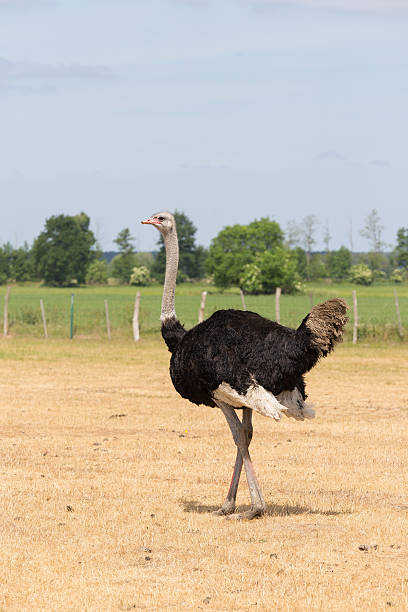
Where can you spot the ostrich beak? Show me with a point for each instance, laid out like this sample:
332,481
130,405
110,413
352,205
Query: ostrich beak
151,221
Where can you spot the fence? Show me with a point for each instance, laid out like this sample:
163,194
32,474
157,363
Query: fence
55,313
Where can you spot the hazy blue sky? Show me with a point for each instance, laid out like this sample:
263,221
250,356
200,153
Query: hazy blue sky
226,109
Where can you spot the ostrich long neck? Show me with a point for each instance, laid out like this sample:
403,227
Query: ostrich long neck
168,310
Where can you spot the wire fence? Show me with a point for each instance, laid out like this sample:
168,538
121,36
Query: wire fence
83,314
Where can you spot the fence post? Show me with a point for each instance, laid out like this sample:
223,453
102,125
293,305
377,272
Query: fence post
108,329
277,304
202,306
43,319
5,320
355,315
71,318
400,330
136,335
243,299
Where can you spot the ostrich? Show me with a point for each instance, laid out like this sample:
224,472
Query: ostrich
238,359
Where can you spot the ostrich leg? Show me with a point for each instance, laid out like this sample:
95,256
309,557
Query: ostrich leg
228,507
240,439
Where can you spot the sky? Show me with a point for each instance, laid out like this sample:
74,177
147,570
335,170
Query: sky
227,110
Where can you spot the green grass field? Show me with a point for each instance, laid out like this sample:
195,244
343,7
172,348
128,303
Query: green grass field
376,306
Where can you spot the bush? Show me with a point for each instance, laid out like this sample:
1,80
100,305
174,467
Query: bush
278,269
250,281
271,269
97,273
237,246
361,274
140,276
397,275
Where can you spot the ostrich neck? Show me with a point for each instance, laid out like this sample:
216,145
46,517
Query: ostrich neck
168,310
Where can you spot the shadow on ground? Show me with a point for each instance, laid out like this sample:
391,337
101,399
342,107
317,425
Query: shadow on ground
271,509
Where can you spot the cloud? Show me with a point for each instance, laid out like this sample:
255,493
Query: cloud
14,4
19,6
31,70
330,155
337,5
193,2
381,163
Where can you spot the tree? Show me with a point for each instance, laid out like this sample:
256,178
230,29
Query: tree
5,264
372,231
339,263
402,247
123,264
317,267
144,259
301,262
269,270
125,241
22,264
237,245
293,235
16,263
278,269
191,256
308,229
97,273
63,250
326,236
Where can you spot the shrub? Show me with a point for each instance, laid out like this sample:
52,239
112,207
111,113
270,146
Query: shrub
271,269
397,276
278,269
140,276
250,281
97,273
361,274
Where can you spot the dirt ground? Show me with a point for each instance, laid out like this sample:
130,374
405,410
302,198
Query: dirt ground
108,480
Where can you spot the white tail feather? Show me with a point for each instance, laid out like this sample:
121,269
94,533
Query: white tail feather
296,405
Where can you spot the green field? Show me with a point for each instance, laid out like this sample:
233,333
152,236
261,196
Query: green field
376,306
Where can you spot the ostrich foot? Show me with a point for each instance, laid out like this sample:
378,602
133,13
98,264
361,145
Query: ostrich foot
248,514
228,507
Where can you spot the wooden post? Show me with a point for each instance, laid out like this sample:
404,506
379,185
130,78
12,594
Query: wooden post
277,304
355,313
400,330
43,319
5,320
108,329
243,299
136,334
202,306
71,318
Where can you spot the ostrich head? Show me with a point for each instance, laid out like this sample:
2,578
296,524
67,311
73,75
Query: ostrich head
163,221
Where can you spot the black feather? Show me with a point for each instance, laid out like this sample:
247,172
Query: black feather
172,332
237,347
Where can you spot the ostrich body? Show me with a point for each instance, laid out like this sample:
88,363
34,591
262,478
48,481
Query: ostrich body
239,360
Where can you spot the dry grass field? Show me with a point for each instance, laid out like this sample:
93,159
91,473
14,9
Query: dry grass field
108,479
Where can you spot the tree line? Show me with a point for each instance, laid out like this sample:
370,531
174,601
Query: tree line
257,257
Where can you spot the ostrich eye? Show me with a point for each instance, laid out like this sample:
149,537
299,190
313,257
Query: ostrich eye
160,218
